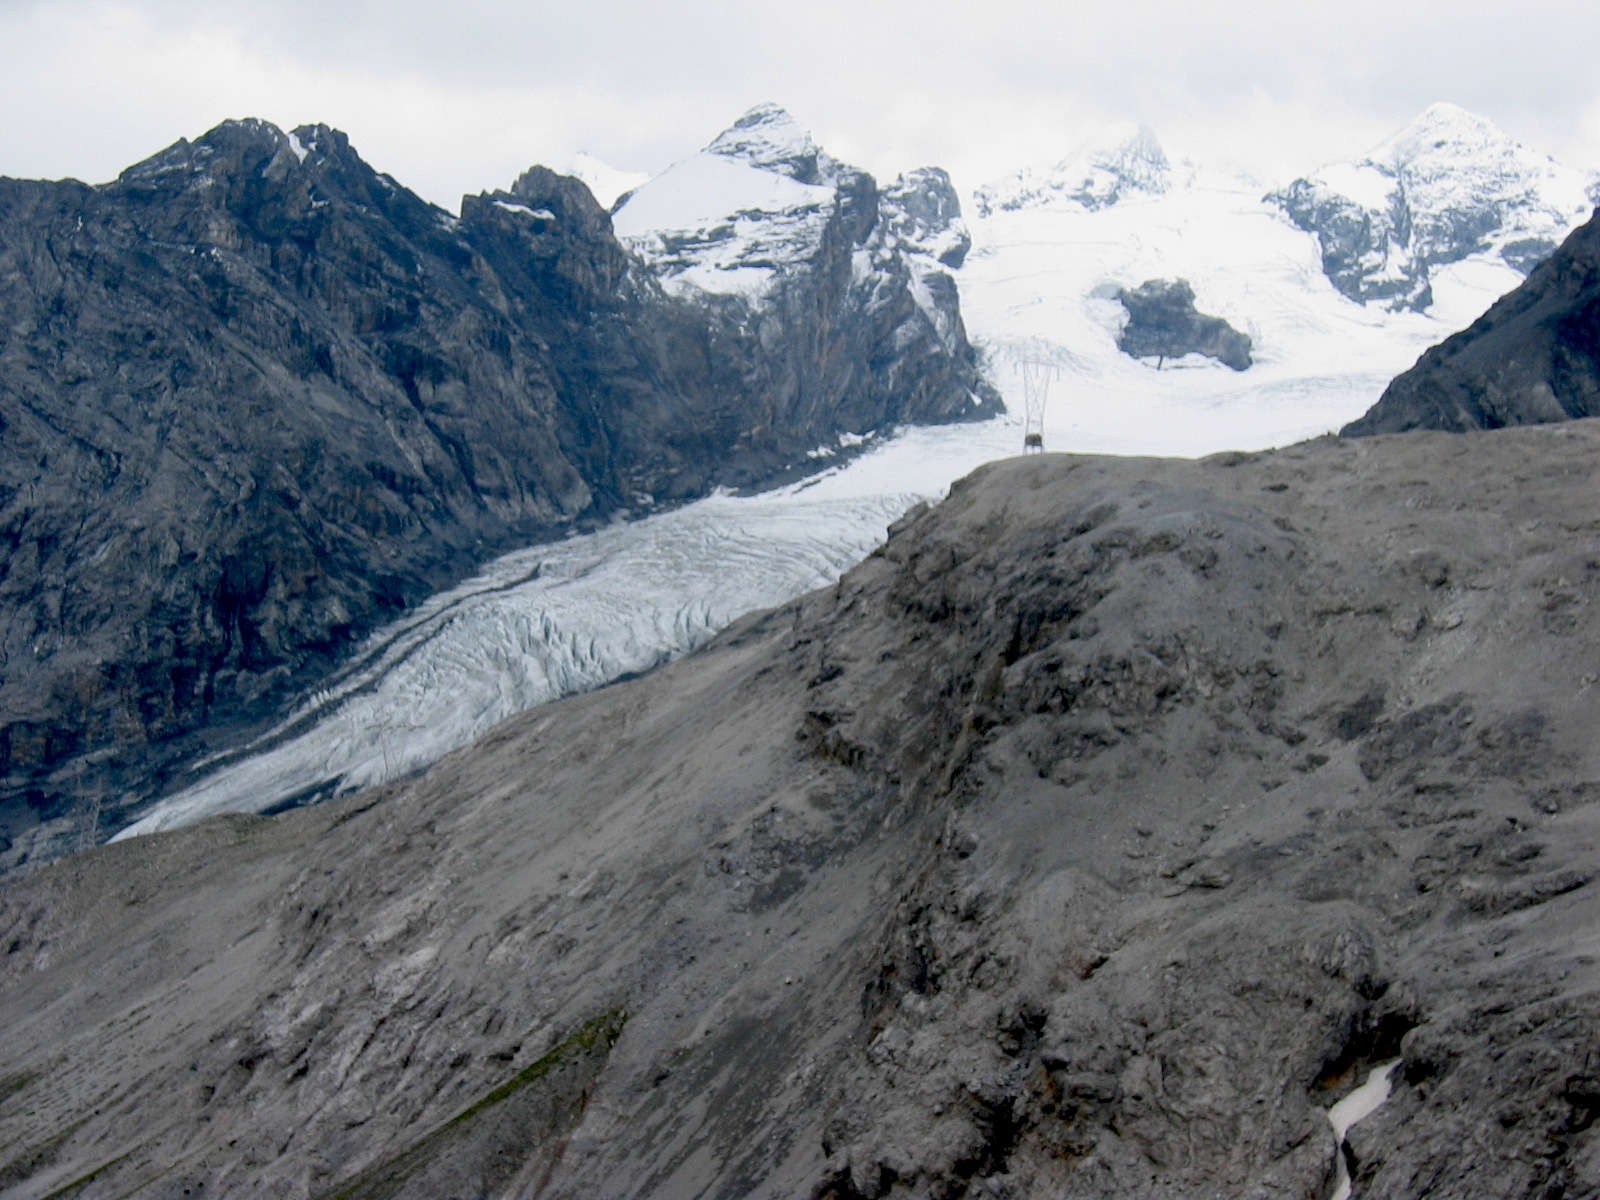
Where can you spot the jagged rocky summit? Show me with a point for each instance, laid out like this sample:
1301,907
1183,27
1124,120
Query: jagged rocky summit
1090,840
258,397
1449,185
1533,358
1164,323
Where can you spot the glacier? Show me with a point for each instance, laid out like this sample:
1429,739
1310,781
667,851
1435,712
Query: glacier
567,617
1052,248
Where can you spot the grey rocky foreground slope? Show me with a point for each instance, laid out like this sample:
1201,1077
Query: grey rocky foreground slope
256,397
1089,840
1534,357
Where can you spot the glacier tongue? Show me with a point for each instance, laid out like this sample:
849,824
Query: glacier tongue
563,618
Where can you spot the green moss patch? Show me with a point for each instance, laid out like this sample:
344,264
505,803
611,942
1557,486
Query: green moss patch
459,1138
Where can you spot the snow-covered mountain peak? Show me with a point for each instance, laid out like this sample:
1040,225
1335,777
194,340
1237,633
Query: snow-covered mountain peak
723,224
768,138
763,218
1442,127
1449,185
1120,161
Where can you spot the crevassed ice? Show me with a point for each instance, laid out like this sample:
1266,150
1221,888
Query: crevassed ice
563,618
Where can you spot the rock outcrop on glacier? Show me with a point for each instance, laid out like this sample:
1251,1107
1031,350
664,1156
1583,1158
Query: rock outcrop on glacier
1164,323
1447,186
257,398
1531,359
1093,839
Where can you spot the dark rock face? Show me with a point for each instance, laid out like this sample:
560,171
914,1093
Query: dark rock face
1356,244
256,397
1532,358
1090,840
1163,323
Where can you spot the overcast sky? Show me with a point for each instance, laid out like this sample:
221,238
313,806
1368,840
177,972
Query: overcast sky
460,97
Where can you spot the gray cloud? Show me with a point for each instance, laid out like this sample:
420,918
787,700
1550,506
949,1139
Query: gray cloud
458,98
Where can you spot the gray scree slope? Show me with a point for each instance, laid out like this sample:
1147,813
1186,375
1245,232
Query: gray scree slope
1089,840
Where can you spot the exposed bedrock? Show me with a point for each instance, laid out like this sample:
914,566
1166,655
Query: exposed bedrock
1090,840
1163,323
1533,358
257,398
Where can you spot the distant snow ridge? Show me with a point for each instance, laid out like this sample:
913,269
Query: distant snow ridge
1122,161
1448,186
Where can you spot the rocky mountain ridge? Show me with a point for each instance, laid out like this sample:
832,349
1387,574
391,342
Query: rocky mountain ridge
1533,358
257,397
1092,839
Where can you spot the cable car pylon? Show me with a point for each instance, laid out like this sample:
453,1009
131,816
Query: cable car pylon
1037,376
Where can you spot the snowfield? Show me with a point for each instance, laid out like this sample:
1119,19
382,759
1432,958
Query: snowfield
1038,285
1040,282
